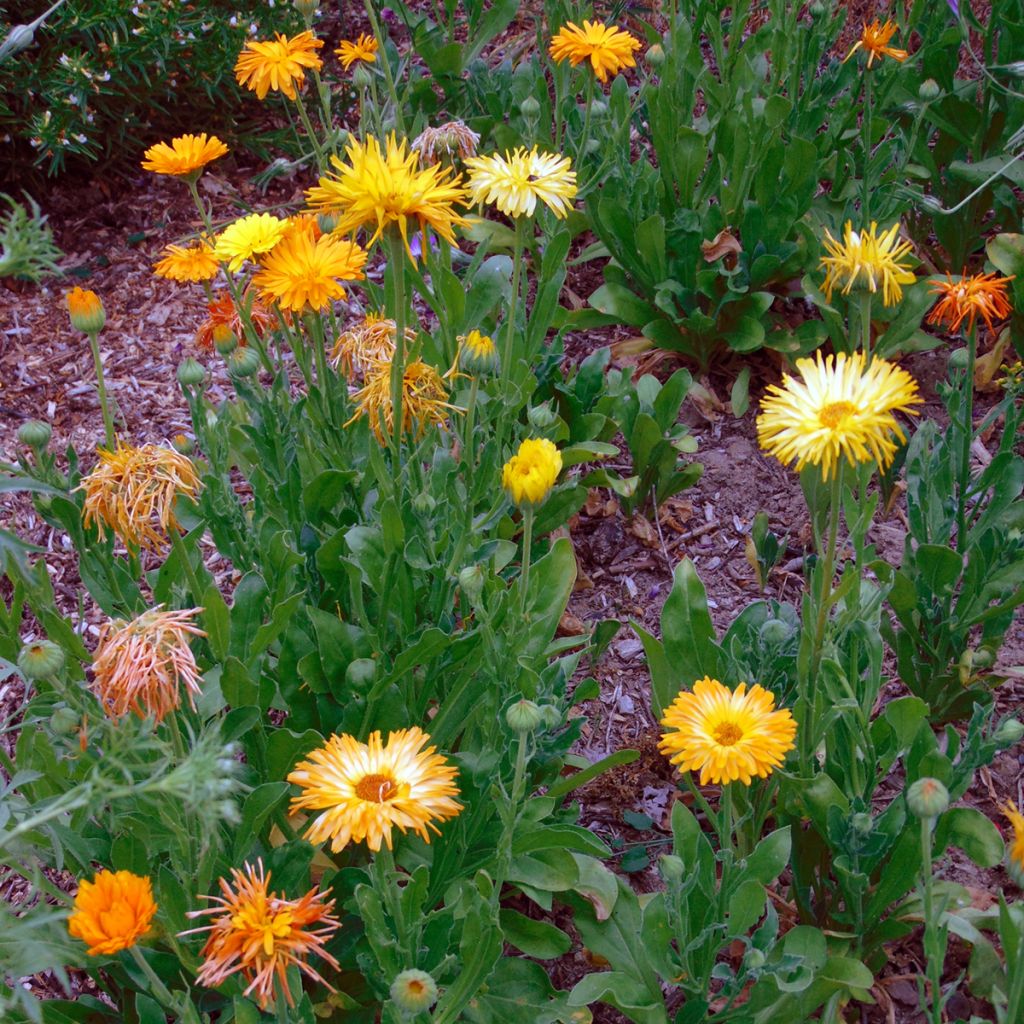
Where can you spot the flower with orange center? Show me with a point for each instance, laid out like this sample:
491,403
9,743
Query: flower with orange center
727,734
364,48
192,263
361,346
874,41
365,790
112,912
184,156
972,296
143,665
132,491
224,313
277,64
260,934
1015,849
608,49
301,273
86,310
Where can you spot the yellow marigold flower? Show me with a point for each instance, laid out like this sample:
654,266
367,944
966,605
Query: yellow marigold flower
863,259
132,491
1015,849
260,934
445,142
477,352
424,399
224,313
380,188
514,182
365,790
608,49
184,156
86,309
249,237
143,665
112,912
370,342
843,407
874,40
364,48
278,63
531,473
971,296
301,273
727,734
192,263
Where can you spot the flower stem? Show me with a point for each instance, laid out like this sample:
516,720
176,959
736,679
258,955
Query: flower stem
865,324
308,125
178,546
932,939
101,387
389,78
396,259
866,126
158,988
964,482
524,578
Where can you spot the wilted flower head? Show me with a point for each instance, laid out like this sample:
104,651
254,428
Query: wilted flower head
112,912
514,182
608,49
367,343
132,491
260,934
184,156
363,48
188,263
972,296
531,473
874,40
224,313
278,64
143,665
866,259
444,143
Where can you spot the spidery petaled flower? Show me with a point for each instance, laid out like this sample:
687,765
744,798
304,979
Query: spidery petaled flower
363,48
531,473
302,272
378,188
143,665
843,407
112,912
249,237
277,64
188,263
224,312
865,259
260,934
727,734
874,40
514,182
184,155
132,491
608,49
1015,849
972,296
365,790
372,341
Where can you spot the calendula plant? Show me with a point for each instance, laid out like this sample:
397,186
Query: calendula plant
27,249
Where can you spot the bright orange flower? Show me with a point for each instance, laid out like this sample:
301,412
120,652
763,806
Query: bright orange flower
184,156
302,272
364,48
112,912
608,49
278,63
86,309
874,40
972,296
188,263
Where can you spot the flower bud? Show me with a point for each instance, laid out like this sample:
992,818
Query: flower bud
862,823
224,340
424,503
530,108
551,717
183,444
523,716
958,359
362,77
86,310
927,798
655,55
592,146
818,10
754,959
929,90
40,659
1009,733
414,991
775,631
64,721
190,373
541,416
477,353
598,108
243,362
19,38
35,434
361,673
307,8
671,867
471,580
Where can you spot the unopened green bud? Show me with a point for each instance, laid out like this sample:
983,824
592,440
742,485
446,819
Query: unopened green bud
243,362
307,8
530,108
64,721
818,10
541,416
929,90
40,659
592,146
19,38
927,798
775,631
35,434
551,717
362,77
224,339
523,716
424,503
655,55
1009,733
862,823
671,867
183,444
361,673
958,359
598,108
413,992
471,580
191,373
754,959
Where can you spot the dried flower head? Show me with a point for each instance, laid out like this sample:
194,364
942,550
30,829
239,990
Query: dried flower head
188,263
184,156
143,665
514,182
249,237
302,272
608,49
224,313
132,491
363,48
874,41
531,473
444,143
112,912
278,64
972,296
365,790
367,343
86,311
865,259
260,934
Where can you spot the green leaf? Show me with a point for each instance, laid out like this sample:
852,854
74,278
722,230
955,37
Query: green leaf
746,905
258,806
534,938
689,639
216,620
567,783
625,993
972,832
547,870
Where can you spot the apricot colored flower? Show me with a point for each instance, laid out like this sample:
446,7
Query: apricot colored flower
514,182
143,665
727,734
972,296
188,263
874,40
866,259
86,311
277,64
259,934
1015,848
843,408
363,48
185,155
248,238
378,188
366,343
301,273
112,912
531,473
608,49
445,142
132,491
365,790
224,313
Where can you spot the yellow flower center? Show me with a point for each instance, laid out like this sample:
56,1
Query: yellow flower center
257,921
834,413
727,734
376,788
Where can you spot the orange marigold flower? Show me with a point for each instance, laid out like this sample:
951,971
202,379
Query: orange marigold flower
188,263
302,273
86,309
132,491
261,934
874,40
143,665
364,48
224,312
184,156
112,912
278,63
608,49
972,296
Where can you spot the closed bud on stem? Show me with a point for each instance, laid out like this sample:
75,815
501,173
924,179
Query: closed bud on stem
424,503
362,77
592,146
183,444
190,373
86,311
523,716
65,721
224,340
929,90
1009,733
471,580
862,823
40,659
598,108
551,717
655,56
530,108
307,8
541,416
35,434
413,992
243,362
818,10
671,867
927,798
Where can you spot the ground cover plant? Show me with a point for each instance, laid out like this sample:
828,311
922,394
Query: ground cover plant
306,739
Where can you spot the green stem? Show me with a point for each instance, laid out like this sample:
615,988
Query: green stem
964,482
178,546
281,1005
385,881
589,101
158,988
389,78
524,578
866,126
308,125
865,324
932,939
396,259
101,387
